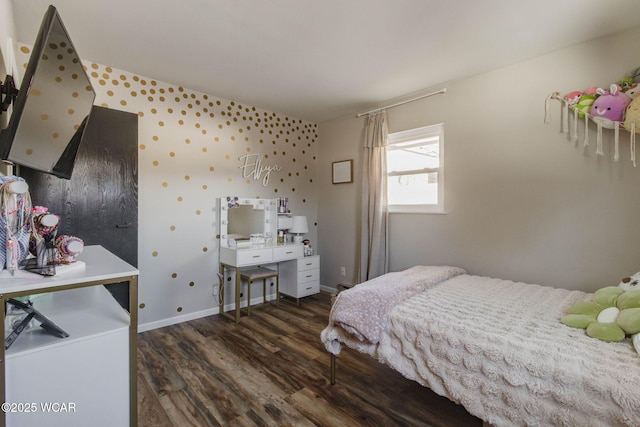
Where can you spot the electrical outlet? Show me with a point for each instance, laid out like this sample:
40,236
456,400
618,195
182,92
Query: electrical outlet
343,271
216,289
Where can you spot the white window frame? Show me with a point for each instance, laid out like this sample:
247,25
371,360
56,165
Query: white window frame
416,135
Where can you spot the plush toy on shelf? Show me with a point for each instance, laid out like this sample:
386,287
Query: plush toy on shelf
633,91
625,83
586,100
612,315
629,80
632,116
616,108
573,98
609,107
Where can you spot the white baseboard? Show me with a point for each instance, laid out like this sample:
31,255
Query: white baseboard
196,315
177,319
208,312
328,289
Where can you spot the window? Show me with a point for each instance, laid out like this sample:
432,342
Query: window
415,170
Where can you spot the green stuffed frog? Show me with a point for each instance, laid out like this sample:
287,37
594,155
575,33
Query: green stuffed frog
612,315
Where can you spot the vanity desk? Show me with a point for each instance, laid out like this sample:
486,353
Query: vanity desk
89,377
237,258
248,238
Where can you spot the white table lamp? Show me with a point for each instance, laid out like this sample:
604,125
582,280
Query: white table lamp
300,226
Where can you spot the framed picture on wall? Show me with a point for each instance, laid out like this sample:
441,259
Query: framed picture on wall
342,171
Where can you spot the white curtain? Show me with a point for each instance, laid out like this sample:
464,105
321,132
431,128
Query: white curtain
374,233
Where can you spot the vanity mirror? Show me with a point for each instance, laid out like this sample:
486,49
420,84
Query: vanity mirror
246,221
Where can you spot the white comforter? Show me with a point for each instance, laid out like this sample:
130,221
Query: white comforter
499,349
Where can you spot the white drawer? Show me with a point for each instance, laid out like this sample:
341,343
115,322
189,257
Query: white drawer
285,252
254,256
308,276
309,263
308,288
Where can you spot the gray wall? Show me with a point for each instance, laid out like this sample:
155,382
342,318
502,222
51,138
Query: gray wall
522,202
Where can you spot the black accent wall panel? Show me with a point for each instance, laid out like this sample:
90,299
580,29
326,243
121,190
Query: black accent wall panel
99,204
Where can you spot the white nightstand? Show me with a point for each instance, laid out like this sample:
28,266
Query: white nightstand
300,277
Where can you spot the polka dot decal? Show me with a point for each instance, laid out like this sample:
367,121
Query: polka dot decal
189,146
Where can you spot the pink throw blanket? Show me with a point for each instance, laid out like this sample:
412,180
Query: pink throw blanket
364,309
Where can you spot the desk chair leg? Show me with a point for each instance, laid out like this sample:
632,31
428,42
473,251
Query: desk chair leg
238,285
221,291
249,298
264,291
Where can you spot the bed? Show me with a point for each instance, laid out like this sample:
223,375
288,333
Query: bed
495,346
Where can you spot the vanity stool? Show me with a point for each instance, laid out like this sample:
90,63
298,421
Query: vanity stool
260,273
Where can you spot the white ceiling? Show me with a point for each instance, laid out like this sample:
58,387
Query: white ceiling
320,59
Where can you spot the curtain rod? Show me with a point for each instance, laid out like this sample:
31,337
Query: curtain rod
375,110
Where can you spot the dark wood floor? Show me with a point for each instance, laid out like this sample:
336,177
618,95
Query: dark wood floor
272,370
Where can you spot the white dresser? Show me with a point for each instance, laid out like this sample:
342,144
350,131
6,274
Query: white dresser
88,378
300,277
